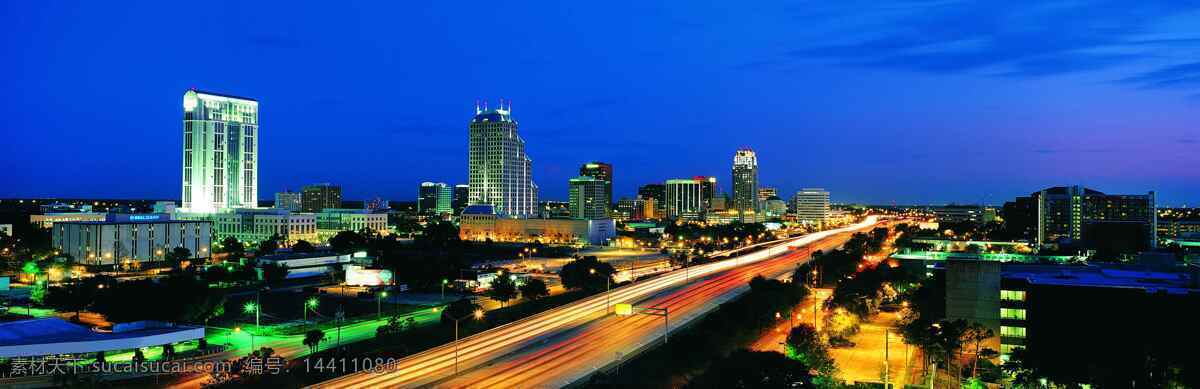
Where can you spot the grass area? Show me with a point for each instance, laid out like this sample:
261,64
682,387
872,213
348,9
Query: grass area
286,311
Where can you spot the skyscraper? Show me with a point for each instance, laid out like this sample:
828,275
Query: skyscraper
587,199
434,198
320,196
708,191
500,172
220,148
460,198
745,182
600,171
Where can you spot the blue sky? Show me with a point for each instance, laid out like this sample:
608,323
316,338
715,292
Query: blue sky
879,102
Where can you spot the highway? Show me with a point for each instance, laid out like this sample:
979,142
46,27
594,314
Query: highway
559,346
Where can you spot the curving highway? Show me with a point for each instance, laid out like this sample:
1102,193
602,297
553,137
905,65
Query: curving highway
559,346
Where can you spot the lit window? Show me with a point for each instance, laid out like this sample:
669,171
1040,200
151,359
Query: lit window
1012,313
1012,295
1012,332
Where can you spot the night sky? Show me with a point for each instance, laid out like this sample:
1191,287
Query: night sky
908,102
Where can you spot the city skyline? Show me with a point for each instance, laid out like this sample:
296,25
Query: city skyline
974,113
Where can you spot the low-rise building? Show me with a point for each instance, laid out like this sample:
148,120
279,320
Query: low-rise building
47,220
330,221
137,237
480,223
257,225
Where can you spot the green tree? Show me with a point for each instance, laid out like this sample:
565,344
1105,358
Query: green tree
177,256
442,234
586,273
503,288
268,247
313,339
975,334
754,369
804,344
347,241
302,246
233,247
534,289
458,309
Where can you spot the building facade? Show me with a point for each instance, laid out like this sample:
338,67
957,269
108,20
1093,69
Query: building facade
602,172
460,198
481,223
47,220
220,152
745,182
331,221
288,200
137,237
812,206
320,196
656,194
586,196
435,198
1085,217
257,225
685,200
500,171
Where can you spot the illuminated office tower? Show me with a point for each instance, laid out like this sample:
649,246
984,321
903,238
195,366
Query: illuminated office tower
600,171
220,152
745,182
500,172
587,198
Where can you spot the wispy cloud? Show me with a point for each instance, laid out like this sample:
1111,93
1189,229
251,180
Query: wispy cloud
1006,38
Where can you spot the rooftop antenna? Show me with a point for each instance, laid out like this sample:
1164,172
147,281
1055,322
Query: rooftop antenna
510,106
476,106
485,104
501,103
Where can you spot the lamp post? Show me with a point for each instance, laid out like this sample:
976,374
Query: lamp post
607,295
444,282
254,307
379,304
311,303
477,314
239,329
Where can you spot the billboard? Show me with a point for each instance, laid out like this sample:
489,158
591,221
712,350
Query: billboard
358,276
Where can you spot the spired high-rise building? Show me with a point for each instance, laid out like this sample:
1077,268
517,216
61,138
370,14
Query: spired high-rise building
500,172
745,182
220,152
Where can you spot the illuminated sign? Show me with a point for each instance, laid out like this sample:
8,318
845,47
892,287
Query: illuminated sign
135,218
623,309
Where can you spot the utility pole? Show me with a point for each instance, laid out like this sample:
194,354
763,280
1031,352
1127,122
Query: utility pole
887,383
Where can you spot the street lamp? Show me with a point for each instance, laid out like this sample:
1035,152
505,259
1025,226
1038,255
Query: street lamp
311,303
239,329
607,294
379,304
444,282
253,307
477,314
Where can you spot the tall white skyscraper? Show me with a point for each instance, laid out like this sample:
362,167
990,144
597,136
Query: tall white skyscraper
220,152
500,172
